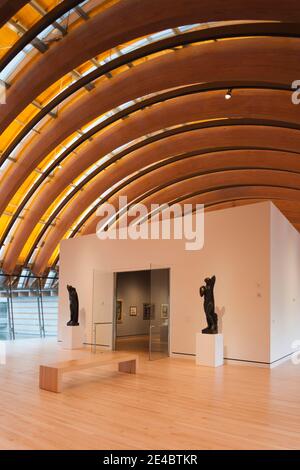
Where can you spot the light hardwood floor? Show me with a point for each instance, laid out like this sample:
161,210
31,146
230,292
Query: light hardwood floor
169,404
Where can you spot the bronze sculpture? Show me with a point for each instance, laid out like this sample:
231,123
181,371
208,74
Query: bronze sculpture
207,292
74,306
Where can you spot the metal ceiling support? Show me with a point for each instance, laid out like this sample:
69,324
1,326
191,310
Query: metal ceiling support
39,106
41,10
80,12
76,75
18,28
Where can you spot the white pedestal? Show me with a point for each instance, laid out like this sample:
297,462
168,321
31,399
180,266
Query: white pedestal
72,337
209,350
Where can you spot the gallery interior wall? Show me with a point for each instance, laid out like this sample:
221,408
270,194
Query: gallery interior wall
133,289
285,285
236,249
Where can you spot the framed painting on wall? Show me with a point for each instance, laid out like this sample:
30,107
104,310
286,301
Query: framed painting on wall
119,311
148,311
133,311
164,311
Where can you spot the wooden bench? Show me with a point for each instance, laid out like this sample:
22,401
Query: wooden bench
51,374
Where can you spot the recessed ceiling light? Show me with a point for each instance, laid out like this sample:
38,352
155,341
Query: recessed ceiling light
228,94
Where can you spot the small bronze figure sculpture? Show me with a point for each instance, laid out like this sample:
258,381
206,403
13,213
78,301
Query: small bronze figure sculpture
207,292
74,306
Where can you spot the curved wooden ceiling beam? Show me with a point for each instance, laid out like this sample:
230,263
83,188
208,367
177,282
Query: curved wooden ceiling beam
287,139
169,114
153,15
36,29
168,189
280,126
282,206
231,194
210,61
235,195
182,91
9,8
228,31
172,181
179,191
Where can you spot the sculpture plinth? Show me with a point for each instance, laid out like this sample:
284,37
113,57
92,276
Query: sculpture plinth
209,350
72,337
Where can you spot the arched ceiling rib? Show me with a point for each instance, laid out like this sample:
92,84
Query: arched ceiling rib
222,136
228,197
174,189
239,30
56,232
45,21
33,190
153,15
232,196
136,81
173,112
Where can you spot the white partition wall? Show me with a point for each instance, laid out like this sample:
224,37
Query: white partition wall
103,308
237,249
285,286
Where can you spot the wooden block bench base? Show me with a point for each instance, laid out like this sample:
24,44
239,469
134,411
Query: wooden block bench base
51,374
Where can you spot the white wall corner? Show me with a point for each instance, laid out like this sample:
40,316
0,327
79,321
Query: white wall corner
284,286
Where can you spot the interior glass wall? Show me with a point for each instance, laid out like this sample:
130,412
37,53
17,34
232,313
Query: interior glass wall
133,296
160,313
142,311
28,306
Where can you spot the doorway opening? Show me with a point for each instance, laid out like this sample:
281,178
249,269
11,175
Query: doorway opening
142,312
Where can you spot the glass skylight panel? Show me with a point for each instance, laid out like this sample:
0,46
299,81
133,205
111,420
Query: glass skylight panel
126,105
2,251
134,46
122,147
5,165
70,189
45,33
104,159
80,179
188,26
98,121
10,68
106,192
89,70
90,170
23,277
162,34
49,280
68,144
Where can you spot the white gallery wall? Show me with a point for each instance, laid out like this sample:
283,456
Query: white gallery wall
285,286
257,280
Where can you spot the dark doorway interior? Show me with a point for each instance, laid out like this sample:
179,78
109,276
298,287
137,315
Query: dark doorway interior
142,311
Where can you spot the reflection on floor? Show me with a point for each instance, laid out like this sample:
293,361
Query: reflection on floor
133,343
169,404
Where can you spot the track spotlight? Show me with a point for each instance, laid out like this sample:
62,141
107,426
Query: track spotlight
228,94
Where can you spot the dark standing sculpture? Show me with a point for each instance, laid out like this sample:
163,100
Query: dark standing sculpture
207,292
74,306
